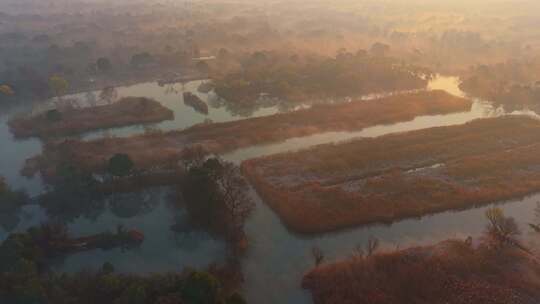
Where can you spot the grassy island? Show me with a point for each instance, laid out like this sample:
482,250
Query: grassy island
451,272
149,150
127,111
398,176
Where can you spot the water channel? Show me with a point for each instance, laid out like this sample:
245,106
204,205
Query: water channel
277,258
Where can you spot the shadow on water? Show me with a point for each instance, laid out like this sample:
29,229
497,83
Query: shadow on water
163,249
276,259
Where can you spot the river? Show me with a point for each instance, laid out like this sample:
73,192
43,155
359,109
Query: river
276,259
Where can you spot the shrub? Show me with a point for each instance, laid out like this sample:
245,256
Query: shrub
200,288
53,115
120,165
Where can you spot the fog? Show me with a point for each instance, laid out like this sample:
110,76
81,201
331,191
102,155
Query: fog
269,151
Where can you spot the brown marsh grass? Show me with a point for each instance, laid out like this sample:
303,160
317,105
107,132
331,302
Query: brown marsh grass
399,176
451,272
127,111
161,148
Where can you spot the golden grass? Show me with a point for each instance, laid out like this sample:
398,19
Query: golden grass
127,111
452,272
165,148
369,181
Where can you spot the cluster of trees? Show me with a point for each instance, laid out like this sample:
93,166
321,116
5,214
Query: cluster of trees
9,198
449,272
514,85
120,165
294,79
24,279
502,231
52,240
216,197
76,192
11,202
72,194
43,82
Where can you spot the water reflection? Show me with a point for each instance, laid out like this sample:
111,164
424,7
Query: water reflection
171,96
163,250
479,109
13,154
276,258
148,211
128,205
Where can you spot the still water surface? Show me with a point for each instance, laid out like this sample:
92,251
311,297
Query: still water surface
277,258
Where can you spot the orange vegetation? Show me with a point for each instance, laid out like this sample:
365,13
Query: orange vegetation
127,111
164,148
452,272
402,175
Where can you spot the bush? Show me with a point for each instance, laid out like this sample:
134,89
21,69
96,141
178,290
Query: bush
120,165
235,298
53,115
200,288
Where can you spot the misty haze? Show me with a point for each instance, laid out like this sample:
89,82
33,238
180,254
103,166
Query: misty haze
269,152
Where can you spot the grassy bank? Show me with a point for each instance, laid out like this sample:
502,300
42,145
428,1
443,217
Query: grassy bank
399,176
162,148
127,111
452,272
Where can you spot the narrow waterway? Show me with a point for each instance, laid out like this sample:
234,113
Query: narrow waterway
277,258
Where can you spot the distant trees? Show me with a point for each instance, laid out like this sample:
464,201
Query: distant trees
58,86
120,165
202,66
345,76
141,59
379,49
223,53
104,65
513,84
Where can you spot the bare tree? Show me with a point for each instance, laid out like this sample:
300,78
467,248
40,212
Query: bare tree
194,156
372,246
238,206
358,252
318,255
90,99
501,230
536,227
108,94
